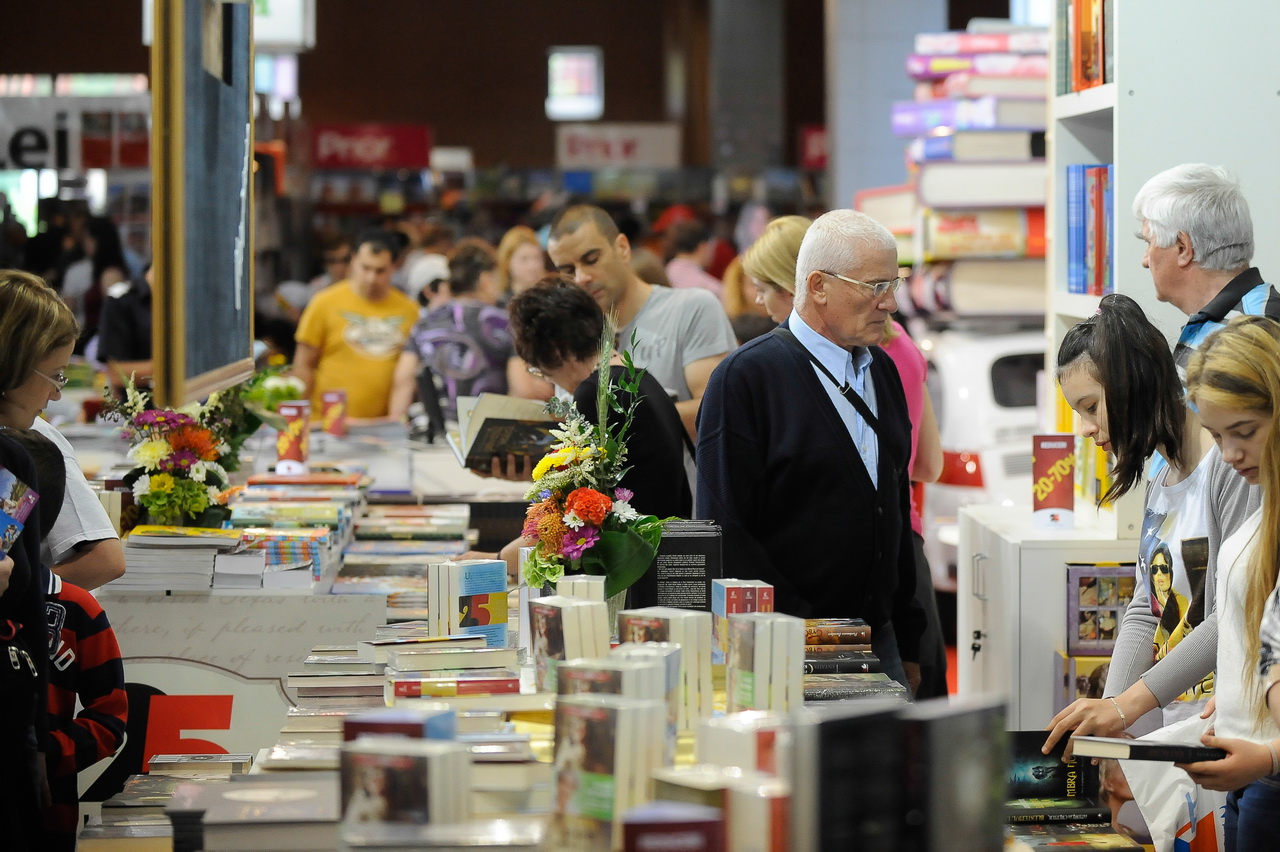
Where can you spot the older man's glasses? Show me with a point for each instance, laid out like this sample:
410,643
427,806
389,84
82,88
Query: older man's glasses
58,380
877,289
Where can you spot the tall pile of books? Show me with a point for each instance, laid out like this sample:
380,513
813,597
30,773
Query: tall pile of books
972,213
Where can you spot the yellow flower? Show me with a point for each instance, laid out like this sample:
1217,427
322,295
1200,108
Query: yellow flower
161,482
588,453
551,460
150,453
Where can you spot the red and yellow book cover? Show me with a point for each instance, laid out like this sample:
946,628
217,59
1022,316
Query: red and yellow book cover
1053,481
293,444
333,415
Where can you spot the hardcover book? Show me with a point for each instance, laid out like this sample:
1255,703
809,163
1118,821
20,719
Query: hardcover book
267,813
840,687
1121,748
497,425
1085,809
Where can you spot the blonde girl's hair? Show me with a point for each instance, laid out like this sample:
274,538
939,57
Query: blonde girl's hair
1238,367
514,238
34,321
772,257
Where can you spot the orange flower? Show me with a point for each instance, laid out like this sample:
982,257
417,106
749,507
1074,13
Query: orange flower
196,439
551,532
588,504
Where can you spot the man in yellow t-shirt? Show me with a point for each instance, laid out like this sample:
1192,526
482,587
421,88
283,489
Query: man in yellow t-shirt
351,334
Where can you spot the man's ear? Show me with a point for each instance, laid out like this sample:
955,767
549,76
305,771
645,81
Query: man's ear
816,283
1186,251
623,246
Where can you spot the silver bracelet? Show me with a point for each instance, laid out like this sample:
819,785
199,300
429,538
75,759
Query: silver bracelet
1125,719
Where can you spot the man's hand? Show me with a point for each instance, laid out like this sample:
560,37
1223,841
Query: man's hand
515,469
6,568
1245,763
1086,716
913,676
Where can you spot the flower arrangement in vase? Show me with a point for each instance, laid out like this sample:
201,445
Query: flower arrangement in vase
184,457
581,518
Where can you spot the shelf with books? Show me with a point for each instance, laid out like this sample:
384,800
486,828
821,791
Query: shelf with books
1096,104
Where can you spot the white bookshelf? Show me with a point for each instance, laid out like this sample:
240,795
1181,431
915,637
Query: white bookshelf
1189,87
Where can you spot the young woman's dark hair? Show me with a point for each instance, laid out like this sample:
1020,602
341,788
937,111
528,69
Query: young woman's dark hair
469,260
108,250
1143,395
553,320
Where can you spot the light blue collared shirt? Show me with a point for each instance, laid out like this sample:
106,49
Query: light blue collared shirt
851,371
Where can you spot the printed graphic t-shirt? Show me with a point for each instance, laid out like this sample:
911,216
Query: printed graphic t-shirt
359,342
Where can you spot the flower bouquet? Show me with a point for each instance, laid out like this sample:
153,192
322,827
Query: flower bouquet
181,457
582,520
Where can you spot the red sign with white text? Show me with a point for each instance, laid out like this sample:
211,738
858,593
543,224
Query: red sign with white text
813,147
371,146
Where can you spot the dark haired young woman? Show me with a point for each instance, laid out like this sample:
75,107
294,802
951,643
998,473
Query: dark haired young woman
1116,371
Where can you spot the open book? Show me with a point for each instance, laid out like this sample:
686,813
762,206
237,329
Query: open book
494,425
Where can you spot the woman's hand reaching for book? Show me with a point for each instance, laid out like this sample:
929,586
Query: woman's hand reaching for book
1087,716
1100,717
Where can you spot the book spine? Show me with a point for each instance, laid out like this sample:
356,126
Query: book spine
954,43
451,688
1075,230
837,666
836,634
1087,815
827,649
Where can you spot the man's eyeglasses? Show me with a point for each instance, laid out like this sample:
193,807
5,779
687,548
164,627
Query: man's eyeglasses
877,289
58,380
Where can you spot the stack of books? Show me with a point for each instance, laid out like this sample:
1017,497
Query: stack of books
564,629
242,569
766,656
173,558
606,749
729,596
839,664
297,557
352,684
468,596
972,212
266,813
689,629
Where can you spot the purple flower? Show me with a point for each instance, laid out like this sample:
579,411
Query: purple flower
179,461
162,418
544,494
623,494
577,543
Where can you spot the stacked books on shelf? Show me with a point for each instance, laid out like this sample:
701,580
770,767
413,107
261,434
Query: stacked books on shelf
297,557
1085,50
1090,229
173,558
977,180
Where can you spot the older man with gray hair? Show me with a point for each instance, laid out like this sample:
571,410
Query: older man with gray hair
1199,238
803,447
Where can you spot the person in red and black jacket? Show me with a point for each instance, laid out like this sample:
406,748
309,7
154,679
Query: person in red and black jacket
37,333
84,664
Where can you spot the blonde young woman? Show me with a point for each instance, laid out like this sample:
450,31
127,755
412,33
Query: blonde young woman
521,264
1234,382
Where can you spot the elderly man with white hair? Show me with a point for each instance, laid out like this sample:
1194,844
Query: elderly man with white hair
1199,237
803,447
